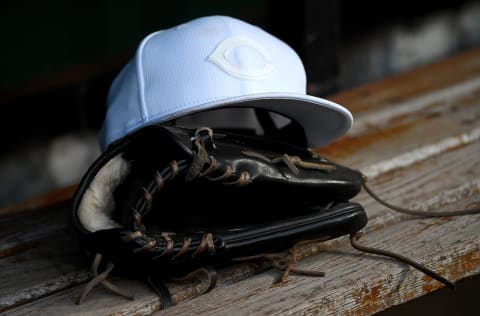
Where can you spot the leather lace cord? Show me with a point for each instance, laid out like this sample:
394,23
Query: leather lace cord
353,240
285,262
142,207
101,279
205,166
159,287
418,212
202,165
208,271
354,237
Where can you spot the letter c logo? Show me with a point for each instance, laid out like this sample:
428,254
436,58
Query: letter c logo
262,69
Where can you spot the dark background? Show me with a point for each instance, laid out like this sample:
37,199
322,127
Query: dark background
59,58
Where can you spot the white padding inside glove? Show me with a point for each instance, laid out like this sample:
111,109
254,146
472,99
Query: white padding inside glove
97,205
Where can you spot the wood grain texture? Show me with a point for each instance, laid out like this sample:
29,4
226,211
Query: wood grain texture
355,283
411,84
103,302
416,185
436,127
416,137
25,230
54,265
450,246
100,302
429,184
53,198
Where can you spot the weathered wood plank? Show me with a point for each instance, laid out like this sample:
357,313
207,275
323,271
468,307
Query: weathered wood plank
59,266
457,240
355,283
428,184
102,302
453,159
24,230
55,264
50,199
437,127
412,84
418,183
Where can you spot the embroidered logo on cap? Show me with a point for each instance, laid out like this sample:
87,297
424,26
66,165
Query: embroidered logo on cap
243,58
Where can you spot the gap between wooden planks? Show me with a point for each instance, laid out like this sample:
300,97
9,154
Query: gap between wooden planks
411,85
451,246
414,175
355,283
457,114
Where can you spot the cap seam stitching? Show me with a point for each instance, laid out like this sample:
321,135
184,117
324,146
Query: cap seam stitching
140,79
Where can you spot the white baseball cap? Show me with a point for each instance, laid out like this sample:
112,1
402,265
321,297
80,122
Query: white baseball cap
216,62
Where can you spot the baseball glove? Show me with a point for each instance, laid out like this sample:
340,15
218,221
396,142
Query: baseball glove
167,200
171,199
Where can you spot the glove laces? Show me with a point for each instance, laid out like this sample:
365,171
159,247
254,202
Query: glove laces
354,237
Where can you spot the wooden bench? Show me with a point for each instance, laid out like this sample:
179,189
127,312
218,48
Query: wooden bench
416,136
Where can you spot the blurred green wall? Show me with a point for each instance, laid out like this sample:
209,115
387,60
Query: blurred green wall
39,38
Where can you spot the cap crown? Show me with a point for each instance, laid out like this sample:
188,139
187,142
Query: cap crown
192,66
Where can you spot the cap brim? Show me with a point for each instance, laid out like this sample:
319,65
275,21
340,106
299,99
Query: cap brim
323,120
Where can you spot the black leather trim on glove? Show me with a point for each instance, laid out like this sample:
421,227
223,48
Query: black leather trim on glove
248,196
